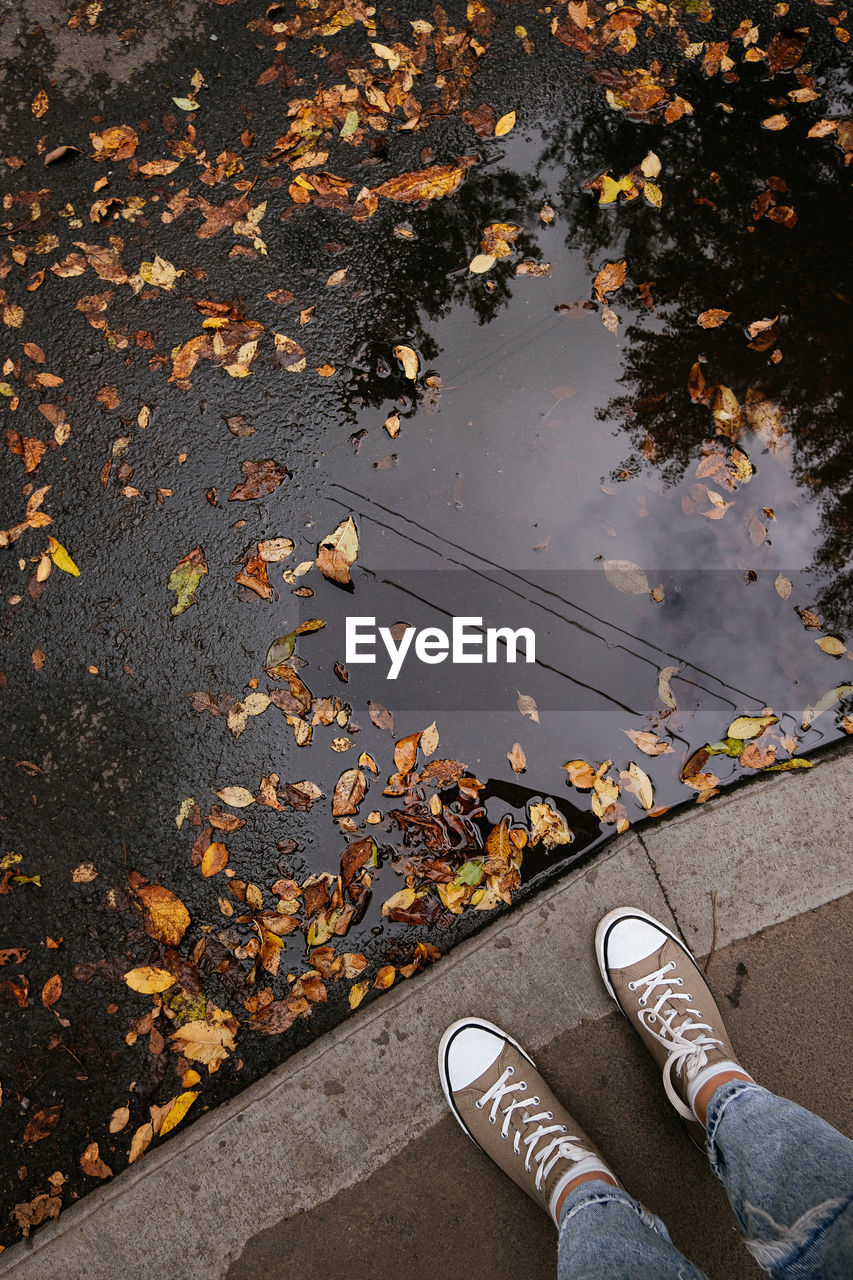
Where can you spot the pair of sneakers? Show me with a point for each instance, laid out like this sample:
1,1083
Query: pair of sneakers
505,1106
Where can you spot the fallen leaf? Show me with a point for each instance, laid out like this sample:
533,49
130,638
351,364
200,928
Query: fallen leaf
638,783
548,826
527,706
165,916
349,792
42,1123
337,553
610,278
665,688
823,703
51,991
214,859
648,742
432,183
626,576
783,585
84,873
745,727
479,264
380,716
505,124
119,1119
92,1164
429,740
581,774
185,578
408,359
61,558
148,980
713,318
516,757
831,645
236,797
356,993
177,1111
140,1142
262,477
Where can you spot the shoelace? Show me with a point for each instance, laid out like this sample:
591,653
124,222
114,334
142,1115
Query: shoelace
686,1056
562,1144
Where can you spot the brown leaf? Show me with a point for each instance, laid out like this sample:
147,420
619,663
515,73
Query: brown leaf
51,991
380,716
432,183
610,278
165,916
261,478
349,792
42,1123
92,1164
713,318
274,1018
406,753
337,553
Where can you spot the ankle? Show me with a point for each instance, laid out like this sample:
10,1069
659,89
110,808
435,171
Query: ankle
596,1176
706,1093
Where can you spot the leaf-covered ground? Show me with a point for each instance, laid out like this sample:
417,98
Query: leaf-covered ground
307,308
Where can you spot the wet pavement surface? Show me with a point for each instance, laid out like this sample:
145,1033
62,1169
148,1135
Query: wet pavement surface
636,446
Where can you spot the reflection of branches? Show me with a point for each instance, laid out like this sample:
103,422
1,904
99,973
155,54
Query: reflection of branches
725,238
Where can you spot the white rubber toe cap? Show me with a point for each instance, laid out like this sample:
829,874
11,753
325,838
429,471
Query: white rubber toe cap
467,1049
626,936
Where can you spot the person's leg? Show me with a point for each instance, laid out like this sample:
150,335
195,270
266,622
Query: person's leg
789,1177
504,1105
605,1234
788,1174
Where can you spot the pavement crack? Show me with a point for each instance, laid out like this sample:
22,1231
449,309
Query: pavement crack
661,885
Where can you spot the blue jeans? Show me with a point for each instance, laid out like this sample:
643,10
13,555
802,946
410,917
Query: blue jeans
788,1176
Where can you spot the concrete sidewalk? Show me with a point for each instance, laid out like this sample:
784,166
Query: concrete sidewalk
343,1161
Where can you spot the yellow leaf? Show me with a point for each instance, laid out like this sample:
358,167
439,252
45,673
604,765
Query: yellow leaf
505,124
214,859
653,194
181,1106
831,645
548,826
650,167
166,917
61,558
119,1119
481,262
148,980
581,774
609,188
408,359
429,740
357,992
745,727
141,1141
639,784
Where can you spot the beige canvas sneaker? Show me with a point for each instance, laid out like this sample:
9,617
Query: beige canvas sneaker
662,992
505,1106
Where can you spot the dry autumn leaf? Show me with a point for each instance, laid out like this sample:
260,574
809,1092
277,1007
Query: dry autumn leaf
165,916
51,991
92,1164
149,980
713,318
336,554
349,792
516,757
610,278
527,706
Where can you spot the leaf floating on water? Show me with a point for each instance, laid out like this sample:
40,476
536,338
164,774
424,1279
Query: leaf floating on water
337,553
648,742
408,359
713,318
380,716
610,278
783,586
516,757
527,706
823,704
429,740
745,727
548,826
639,784
626,576
480,263
262,477
831,645
581,774
665,688
349,792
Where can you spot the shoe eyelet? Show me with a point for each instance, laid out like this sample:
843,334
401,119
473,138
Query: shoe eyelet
536,1101
549,1115
479,1105
522,1084
492,1120
510,1071
632,986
